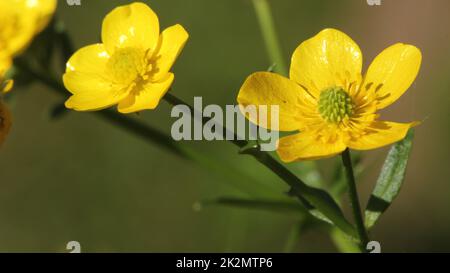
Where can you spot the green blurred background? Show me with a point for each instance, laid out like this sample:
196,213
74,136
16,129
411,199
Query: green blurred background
81,178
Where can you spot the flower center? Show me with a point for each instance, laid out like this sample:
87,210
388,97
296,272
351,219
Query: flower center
335,104
126,65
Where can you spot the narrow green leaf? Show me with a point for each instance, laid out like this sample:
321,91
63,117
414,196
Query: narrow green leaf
259,204
390,180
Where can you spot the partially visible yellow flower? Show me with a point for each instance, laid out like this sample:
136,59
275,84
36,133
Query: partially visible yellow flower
20,21
130,68
329,101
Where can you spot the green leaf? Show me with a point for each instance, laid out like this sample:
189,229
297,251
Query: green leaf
390,180
259,204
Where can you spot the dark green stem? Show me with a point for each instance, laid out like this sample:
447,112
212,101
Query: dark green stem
354,199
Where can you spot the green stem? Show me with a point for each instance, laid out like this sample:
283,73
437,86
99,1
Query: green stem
267,26
354,199
257,204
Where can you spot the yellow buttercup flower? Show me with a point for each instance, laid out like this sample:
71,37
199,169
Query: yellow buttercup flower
329,101
130,68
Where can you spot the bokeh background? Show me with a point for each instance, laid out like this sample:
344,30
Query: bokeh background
81,178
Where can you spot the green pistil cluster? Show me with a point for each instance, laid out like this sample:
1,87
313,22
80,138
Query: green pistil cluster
335,104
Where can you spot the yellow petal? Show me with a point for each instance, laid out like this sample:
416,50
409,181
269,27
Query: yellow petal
91,59
329,59
379,134
20,20
392,72
5,64
172,41
85,77
307,146
91,92
134,25
42,10
147,98
17,28
265,88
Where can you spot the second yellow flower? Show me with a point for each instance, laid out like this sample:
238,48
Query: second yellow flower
131,68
